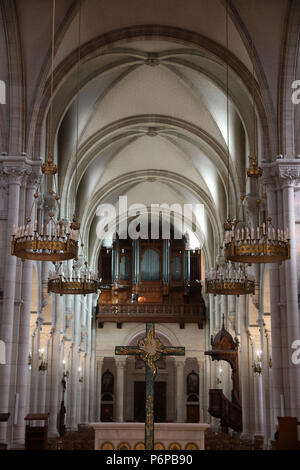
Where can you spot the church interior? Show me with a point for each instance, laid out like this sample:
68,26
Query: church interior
150,224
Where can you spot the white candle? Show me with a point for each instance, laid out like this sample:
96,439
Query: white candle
264,228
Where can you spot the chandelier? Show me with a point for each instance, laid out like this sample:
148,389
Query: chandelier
36,240
52,242
79,280
261,242
229,279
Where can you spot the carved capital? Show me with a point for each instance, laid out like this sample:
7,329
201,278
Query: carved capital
120,363
16,173
284,172
289,175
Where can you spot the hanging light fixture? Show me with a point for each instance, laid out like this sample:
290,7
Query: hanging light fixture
246,243
81,280
53,241
227,278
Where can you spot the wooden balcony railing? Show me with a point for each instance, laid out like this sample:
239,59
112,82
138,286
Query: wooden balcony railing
182,313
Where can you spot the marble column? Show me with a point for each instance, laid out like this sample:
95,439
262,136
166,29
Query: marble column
23,337
180,389
93,367
293,321
281,177
55,366
86,388
202,386
14,171
75,364
277,315
99,386
120,366
244,364
259,424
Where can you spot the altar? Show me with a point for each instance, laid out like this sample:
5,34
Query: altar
131,436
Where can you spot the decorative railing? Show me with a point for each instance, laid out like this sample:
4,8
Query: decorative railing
130,312
229,413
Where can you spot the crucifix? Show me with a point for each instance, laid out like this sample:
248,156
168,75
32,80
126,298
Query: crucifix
150,349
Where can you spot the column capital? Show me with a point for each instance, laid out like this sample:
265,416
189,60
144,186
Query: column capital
120,362
180,362
282,173
17,168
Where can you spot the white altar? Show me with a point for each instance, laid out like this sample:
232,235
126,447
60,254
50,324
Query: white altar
167,436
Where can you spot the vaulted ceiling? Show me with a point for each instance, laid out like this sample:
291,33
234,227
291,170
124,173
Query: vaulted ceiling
151,107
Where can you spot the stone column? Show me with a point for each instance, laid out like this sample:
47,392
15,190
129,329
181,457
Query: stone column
259,424
281,177
86,389
99,386
202,386
55,366
24,328
180,395
293,322
93,369
278,335
244,364
120,365
14,172
211,316
75,364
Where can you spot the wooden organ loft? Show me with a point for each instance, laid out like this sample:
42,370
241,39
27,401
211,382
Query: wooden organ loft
150,280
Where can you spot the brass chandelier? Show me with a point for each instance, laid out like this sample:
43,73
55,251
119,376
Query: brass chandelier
53,241
260,243
81,280
229,279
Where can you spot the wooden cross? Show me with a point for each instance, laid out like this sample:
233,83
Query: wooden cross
150,349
